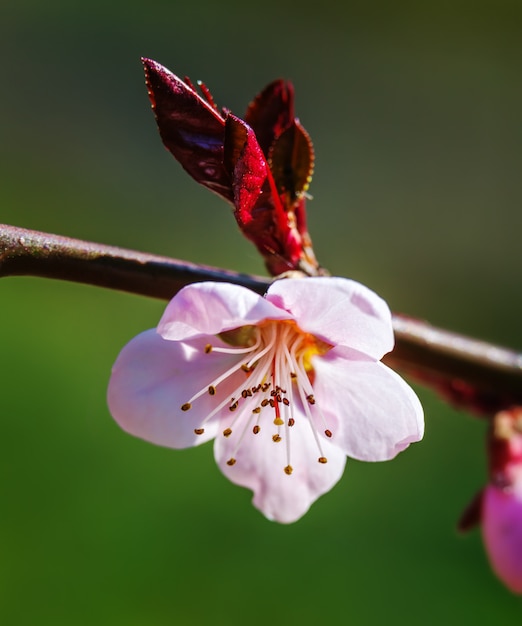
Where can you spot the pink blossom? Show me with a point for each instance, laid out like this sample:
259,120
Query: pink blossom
287,385
502,499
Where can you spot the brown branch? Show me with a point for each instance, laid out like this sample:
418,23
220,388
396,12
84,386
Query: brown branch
476,375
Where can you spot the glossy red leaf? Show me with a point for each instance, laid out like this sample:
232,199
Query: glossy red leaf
259,211
190,127
271,113
292,163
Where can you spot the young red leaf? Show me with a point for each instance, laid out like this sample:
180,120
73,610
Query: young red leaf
292,163
271,113
230,157
189,126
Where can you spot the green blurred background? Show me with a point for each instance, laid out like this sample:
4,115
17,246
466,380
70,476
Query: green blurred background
414,109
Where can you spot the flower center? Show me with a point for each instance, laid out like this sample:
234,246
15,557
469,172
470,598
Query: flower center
276,358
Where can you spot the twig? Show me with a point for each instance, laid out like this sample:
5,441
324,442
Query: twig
473,374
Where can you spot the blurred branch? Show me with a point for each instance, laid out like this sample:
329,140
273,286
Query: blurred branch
473,374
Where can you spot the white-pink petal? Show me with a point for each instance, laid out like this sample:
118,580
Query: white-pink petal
211,308
260,467
337,310
502,534
378,414
152,378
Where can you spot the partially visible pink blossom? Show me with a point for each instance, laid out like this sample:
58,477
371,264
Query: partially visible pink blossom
287,385
502,499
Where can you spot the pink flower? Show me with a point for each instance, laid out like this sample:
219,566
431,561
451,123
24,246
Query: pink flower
502,499
287,385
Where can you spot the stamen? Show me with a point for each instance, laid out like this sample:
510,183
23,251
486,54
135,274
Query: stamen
286,401
231,461
291,421
310,398
322,459
256,410
328,433
227,432
212,390
234,406
289,469
256,429
199,431
208,348
186,406
276,438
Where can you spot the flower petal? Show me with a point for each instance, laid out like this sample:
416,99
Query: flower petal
502,533
210,308
377,413
337,310
260,467
153,377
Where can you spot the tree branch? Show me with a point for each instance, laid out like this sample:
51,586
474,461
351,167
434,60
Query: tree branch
478,376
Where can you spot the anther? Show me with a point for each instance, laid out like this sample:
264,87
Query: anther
233,407
286,401
265,402
186,406
208,348
291,421
311,399
328,433
256,410
231,461
293,375
199,431
212,390
227,432
289,469
276,438
256,429
322,459
245,368
278,421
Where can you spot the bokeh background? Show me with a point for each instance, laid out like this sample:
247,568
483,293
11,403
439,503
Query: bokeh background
414,109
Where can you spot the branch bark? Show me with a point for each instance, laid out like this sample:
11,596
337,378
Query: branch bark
473,374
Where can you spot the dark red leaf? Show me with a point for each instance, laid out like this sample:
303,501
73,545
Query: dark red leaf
292,163
190,127
271,113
